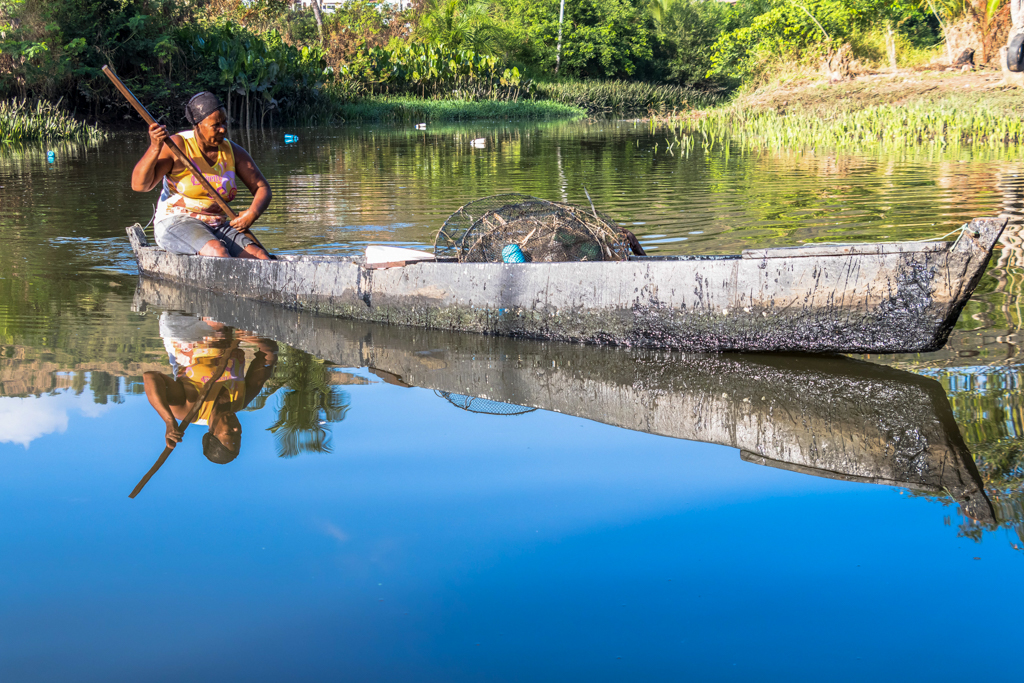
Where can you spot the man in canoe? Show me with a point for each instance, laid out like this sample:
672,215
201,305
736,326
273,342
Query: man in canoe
188,220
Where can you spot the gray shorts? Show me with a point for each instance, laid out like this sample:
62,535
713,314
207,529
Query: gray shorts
186,235
180,327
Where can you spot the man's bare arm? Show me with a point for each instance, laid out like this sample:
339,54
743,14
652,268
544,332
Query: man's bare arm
155,163
254,179
164,395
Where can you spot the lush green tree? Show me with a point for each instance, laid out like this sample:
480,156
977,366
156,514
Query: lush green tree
600,38
165,50
459,24
355,27
54,48
687,33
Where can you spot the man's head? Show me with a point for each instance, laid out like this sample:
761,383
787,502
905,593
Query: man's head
209,120
223,441
216,452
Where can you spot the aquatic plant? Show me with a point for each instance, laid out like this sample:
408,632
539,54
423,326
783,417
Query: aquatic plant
264,74
24,122
626,97
945,122
436,71
395,109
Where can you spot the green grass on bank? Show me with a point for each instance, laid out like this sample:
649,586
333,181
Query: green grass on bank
626,98
950,120
394,109
23,122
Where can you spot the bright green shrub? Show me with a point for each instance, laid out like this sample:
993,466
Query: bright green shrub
436,71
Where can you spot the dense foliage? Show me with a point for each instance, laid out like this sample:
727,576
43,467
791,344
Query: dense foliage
606,97
435,71
165,50
274,61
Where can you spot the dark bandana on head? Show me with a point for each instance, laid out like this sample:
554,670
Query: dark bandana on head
200,106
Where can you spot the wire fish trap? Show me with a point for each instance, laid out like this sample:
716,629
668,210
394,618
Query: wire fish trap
544,231
484,406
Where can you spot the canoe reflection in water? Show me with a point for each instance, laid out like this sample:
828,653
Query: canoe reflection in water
203,352
826,416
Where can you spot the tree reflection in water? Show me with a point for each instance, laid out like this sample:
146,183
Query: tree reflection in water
306,405
989,410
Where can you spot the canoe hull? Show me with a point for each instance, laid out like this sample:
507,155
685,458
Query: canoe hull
901,297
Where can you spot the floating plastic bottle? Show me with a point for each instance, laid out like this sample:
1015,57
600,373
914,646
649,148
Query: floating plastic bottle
289,139
421,126
51,156
511,253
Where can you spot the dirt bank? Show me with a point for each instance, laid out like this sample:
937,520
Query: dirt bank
901,87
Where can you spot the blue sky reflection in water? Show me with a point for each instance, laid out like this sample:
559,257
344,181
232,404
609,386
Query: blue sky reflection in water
435,544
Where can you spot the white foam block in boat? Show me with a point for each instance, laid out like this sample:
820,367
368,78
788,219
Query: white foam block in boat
376,253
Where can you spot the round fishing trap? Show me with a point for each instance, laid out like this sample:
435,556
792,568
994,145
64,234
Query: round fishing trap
484,406
544,232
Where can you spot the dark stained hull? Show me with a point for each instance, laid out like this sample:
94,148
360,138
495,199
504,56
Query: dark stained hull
871,298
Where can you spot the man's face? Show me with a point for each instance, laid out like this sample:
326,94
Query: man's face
227,429
214,128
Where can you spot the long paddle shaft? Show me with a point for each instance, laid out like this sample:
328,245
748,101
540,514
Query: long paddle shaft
176,151
189,416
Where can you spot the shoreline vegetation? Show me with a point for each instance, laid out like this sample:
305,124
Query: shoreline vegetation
901,109
889,110
780,72
42,121
702,65
406,109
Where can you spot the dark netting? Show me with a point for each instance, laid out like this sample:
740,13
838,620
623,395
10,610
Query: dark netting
483,405
544,231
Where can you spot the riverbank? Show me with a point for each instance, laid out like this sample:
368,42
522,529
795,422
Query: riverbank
906,107
43,121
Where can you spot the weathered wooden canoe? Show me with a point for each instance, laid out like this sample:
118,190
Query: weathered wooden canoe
884,298
826,416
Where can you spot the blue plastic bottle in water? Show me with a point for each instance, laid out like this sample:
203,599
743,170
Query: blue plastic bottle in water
288,139
51,156
511,253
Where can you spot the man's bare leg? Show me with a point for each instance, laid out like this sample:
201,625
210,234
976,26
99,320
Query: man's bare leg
214,248
252,251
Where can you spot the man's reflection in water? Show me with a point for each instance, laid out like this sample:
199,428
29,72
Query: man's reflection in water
196,349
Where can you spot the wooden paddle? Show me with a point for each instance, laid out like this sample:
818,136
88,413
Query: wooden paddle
189,416
178,154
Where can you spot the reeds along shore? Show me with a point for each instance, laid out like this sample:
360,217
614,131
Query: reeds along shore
396,109
24,122
627,97
949,122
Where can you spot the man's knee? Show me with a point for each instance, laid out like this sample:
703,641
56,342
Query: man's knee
214,248
256,252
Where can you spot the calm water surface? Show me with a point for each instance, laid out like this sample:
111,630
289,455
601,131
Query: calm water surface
412,505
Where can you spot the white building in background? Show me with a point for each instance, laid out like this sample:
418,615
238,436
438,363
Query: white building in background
325,5
331,5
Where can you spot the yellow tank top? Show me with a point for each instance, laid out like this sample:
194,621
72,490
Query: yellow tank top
182,193
232,381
